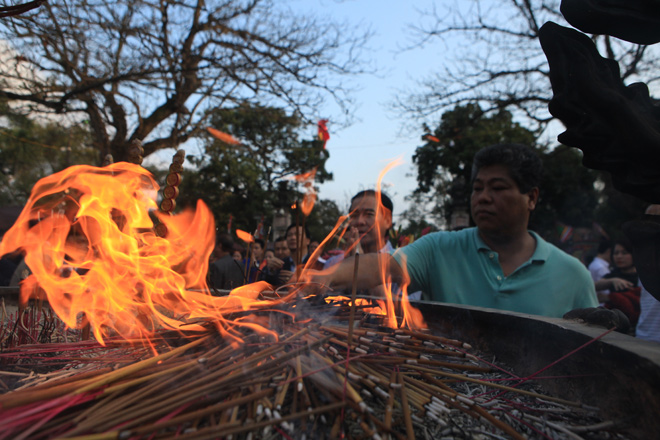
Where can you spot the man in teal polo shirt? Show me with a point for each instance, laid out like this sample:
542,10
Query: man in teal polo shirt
499,264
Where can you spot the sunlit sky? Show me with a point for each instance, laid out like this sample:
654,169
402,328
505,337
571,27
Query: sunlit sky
360,152
378,135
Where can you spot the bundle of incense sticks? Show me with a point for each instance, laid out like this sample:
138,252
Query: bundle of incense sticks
32,325
308,381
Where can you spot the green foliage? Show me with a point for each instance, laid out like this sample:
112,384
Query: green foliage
567,195
568,192
30,150
149,70
616,207
254,178
322,219
444,166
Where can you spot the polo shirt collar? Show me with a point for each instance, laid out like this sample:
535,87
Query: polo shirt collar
540,254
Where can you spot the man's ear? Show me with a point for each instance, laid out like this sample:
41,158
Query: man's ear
533,195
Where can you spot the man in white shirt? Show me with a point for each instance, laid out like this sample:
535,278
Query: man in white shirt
369,226
600,266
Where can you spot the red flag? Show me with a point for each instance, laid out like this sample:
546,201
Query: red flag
324,134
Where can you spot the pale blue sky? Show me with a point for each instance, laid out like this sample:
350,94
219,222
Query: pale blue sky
360,152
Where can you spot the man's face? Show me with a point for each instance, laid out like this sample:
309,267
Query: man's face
257,251
281,250
292,241
498,207
370,226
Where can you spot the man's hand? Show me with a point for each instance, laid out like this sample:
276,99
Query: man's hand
274,264
599,316
285,276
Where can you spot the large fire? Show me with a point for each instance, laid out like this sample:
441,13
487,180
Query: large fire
88,238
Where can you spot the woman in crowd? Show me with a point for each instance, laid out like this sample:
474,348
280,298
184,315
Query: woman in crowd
621,286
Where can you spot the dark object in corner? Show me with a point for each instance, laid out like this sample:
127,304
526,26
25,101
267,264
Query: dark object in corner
636,21
645,238
616,126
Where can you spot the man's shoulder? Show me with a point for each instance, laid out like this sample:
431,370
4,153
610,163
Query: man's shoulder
436,243
460,236
560,258
223,262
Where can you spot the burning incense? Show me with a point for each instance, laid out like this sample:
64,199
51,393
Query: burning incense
351,319
209,387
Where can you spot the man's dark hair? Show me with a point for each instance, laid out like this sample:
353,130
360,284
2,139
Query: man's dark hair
523,163
293,225
384,200
282,238
224,242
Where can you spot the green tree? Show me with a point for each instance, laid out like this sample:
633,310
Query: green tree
568,192
444,162
30,150
444,167
151,70
323,218
253,178
616,207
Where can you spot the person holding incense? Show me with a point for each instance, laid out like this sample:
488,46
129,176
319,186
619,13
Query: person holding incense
369,225
297,239
278,266
368,230
499,263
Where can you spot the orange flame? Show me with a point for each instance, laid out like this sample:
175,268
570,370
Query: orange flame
245,236
224,137
88,237
411,317
307,179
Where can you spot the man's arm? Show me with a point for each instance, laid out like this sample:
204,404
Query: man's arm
370,267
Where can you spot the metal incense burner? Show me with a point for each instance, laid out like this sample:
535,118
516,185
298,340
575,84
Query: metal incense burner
618,373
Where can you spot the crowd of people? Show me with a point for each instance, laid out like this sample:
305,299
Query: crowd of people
499,263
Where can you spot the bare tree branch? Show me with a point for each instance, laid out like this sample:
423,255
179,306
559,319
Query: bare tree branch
492,56
153,69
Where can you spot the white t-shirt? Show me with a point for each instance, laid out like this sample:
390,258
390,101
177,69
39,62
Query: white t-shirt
598,268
